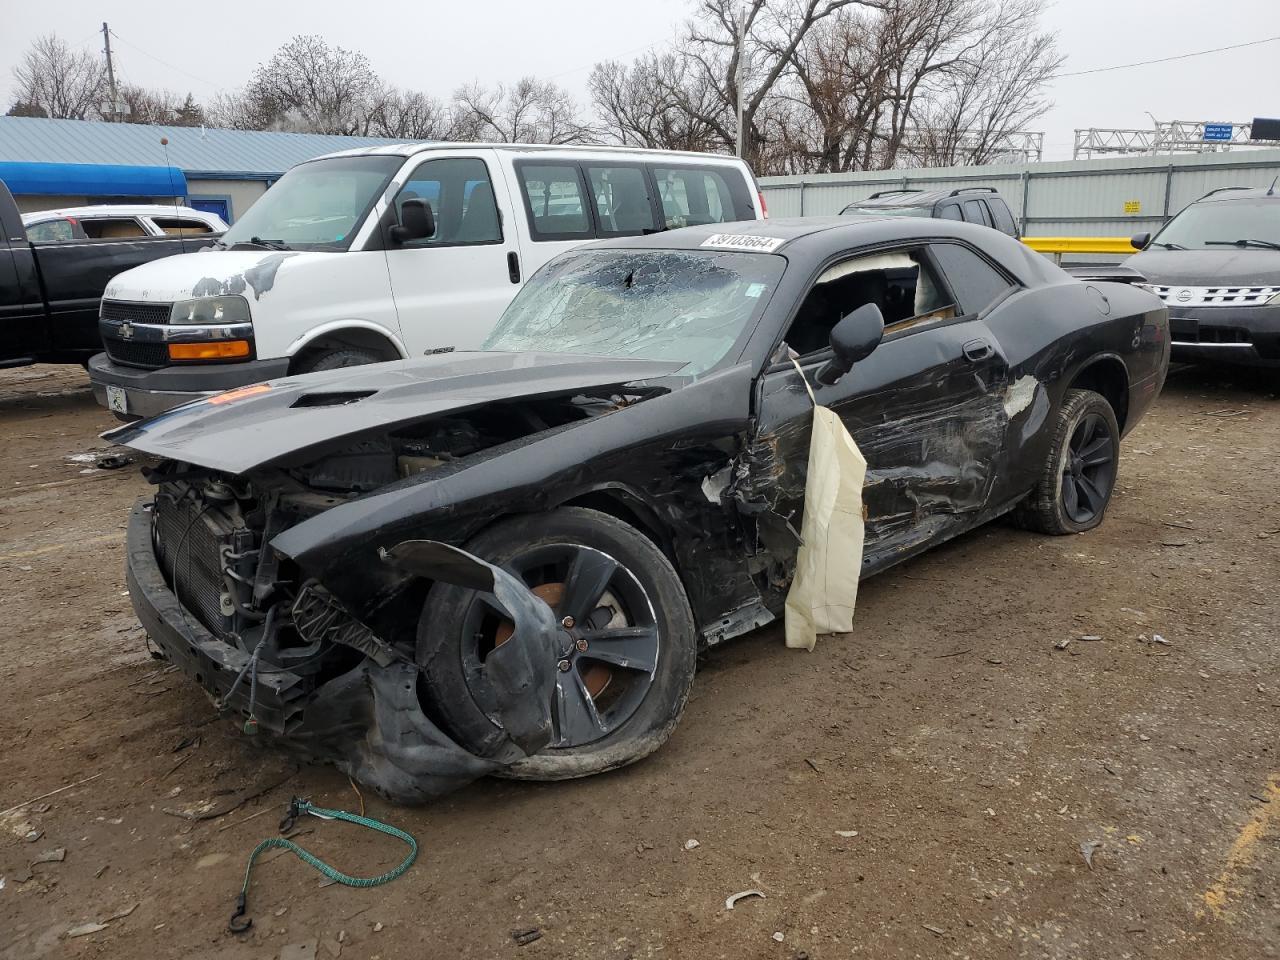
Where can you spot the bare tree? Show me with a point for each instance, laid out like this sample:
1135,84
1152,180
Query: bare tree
59,81
992,92
529,111
163,107
657,103
307,86
410,115
773,32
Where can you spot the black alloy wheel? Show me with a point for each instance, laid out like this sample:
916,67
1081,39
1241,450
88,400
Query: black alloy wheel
628,651
610,643
1088,469
1078,474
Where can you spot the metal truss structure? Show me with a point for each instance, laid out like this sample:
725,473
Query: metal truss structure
1165,136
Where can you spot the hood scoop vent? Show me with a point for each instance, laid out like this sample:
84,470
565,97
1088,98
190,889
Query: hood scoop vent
334,398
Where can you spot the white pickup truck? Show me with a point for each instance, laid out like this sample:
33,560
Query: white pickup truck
385,253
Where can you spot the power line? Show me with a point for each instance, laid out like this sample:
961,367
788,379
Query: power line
1147,63
165,63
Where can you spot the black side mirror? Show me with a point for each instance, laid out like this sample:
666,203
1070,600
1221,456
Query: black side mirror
852,339
417,222
1139,241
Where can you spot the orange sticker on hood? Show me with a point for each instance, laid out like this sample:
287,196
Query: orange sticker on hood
241,393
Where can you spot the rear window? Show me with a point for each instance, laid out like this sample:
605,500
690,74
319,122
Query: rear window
181,226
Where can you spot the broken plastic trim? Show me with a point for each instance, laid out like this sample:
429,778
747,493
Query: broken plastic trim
522,673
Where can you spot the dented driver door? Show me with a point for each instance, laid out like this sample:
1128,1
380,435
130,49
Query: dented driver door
926,410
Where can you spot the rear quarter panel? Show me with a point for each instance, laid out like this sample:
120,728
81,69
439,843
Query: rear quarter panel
1053,335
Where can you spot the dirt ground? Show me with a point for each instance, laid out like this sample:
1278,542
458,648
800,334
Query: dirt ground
922,788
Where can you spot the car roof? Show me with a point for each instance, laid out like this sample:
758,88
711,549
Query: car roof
115,210
1241,193
410,149
920,198
816,239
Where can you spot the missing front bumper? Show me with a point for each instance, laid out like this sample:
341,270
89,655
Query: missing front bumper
368,721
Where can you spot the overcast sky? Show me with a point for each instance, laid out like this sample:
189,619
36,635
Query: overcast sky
434,46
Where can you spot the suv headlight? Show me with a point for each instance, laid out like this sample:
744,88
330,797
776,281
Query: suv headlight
209,310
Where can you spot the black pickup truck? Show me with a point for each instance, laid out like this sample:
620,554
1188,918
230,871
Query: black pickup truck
50,292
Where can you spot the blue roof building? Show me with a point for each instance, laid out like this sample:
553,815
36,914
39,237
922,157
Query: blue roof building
61,163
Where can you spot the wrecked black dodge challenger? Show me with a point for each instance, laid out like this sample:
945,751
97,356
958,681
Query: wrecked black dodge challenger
506,561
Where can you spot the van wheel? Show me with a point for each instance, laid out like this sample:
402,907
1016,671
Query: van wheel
333,359
1079,471
627,663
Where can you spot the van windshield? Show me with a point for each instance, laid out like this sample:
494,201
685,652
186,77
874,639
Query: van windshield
315,206
689,306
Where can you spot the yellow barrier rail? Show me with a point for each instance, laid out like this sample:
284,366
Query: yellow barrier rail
1060,245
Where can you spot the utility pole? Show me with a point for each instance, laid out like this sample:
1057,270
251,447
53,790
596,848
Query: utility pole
114,112
738,77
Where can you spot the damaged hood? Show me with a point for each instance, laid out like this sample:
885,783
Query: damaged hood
282,420
209,273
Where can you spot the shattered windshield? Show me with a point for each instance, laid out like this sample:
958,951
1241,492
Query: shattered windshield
683,305
315,206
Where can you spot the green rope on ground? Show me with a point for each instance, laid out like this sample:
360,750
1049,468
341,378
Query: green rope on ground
297,808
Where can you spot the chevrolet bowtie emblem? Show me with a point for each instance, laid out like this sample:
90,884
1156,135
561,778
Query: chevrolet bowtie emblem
126,331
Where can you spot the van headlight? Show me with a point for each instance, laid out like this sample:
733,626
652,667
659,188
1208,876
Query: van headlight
207,310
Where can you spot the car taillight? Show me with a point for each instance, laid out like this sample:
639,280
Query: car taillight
764,207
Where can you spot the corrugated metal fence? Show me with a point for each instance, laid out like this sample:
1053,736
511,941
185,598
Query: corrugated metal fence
1116,197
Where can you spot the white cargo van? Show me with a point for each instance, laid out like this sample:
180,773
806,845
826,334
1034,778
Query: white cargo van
386,253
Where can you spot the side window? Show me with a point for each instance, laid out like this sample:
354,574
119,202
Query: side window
460,194
975,211
696,195
181,226
949,211
976,283
113,228
51,231
1003,217
901,284
553,197
621,196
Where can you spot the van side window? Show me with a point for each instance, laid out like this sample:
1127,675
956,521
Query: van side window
977,284
696,195
460,194
553,196
901,283
621,196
